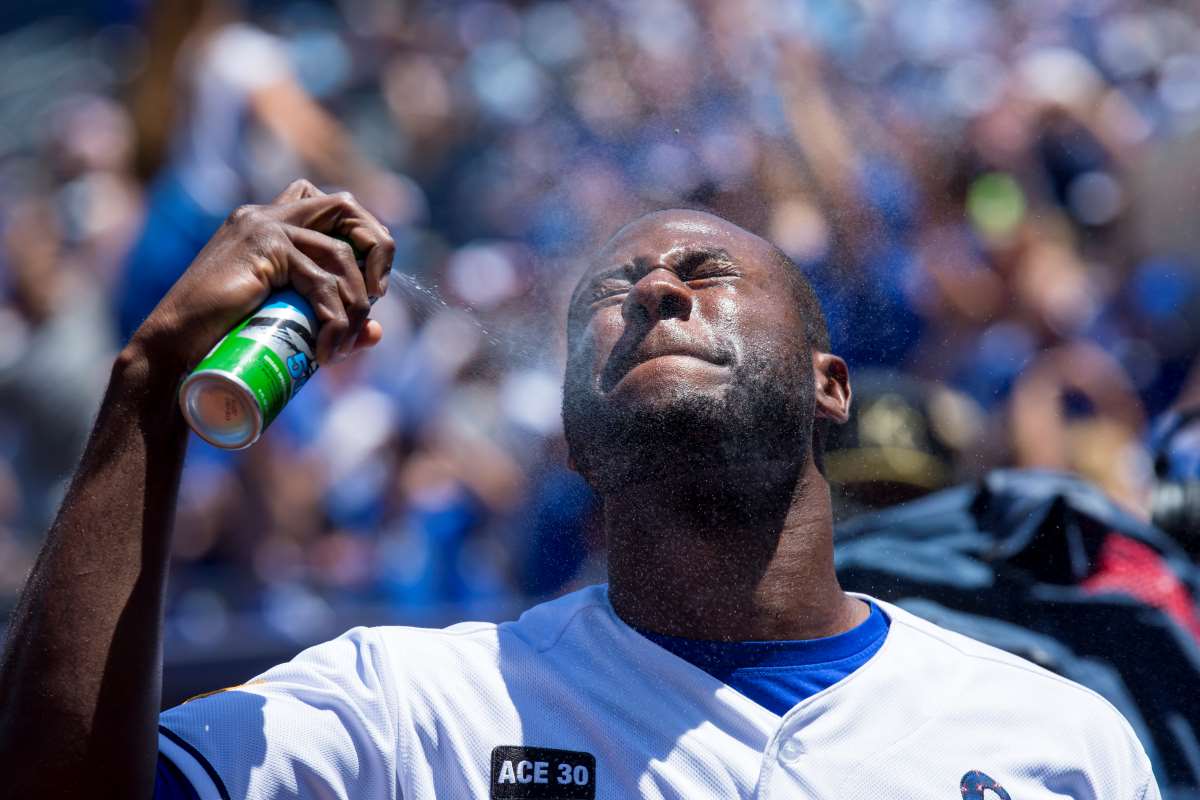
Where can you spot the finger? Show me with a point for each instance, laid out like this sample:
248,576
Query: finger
337,256
379,251
341,215
332,252
369,336
297,190
371,238
324,213
323,291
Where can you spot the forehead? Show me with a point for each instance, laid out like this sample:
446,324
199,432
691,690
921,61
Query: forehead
661,234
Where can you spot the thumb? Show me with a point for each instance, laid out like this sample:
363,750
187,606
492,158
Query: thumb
369,336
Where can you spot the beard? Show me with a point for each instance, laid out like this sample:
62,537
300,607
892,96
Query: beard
762,416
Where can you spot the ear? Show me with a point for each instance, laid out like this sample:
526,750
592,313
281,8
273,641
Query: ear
831,381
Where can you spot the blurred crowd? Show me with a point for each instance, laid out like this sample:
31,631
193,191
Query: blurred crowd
996,202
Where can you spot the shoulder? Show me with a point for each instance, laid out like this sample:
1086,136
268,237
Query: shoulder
937,641
993,685
470,645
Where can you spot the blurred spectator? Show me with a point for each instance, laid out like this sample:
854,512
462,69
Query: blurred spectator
211,83
1174,502
1101,440
905,438
57,351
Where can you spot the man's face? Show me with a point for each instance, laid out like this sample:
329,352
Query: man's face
686,352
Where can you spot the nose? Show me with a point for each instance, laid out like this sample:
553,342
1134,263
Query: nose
657,296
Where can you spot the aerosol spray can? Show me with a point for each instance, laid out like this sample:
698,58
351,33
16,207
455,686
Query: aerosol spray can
247,379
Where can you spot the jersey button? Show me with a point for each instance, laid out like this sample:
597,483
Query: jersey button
790,751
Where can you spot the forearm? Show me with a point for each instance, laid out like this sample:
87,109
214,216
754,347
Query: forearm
80,678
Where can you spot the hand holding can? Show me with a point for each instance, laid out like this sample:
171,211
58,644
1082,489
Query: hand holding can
293,260
242,385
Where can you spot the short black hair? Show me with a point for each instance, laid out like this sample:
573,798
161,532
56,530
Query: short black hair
816,335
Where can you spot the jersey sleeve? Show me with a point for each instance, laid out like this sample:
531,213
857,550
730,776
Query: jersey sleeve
169,783
319,726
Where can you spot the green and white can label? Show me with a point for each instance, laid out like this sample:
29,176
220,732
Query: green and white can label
269,355
289,331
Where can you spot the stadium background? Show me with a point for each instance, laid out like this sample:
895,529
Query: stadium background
997,203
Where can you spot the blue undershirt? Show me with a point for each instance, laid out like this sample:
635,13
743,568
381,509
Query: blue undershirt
778,675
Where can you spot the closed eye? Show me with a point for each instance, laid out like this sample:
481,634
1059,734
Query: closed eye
604,290
708,270
704,263
693,266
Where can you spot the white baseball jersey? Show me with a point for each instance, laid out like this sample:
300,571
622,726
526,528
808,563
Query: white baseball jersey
570,703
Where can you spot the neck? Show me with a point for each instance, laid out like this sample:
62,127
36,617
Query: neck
733,557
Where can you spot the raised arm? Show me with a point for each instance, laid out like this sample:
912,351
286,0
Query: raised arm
80,678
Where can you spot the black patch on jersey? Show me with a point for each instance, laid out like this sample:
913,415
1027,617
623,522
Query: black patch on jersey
542,773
